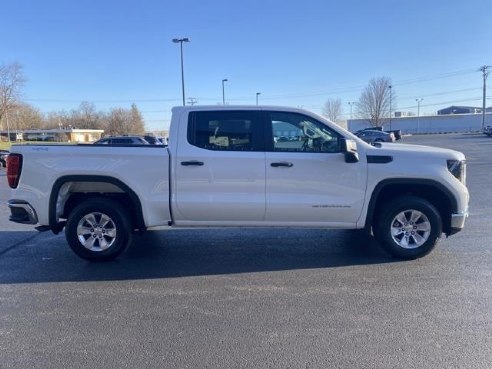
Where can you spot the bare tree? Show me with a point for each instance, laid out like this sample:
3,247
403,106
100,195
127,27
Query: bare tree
137,123
118,122
125,121
374,102
86,116
333,109
24,116
57,120
11,82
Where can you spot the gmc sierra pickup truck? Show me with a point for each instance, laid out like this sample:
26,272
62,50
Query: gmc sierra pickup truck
226,166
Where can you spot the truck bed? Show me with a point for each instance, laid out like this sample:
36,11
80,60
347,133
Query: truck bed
78,168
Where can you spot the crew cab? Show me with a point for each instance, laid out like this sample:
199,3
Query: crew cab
225,167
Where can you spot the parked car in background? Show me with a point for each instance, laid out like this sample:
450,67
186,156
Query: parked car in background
122,140
3,158
488,130
153,140
372,136
396,132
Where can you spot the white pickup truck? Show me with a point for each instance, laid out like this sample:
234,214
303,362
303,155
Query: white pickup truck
229,166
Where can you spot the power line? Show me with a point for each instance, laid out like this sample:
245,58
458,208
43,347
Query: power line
265,96
355,88
442,103
441,93
104,101
431,78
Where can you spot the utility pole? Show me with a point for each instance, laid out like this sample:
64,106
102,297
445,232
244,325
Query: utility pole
192,101
418,113
485,72
257,94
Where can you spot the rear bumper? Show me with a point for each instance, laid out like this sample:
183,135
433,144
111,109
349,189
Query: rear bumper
22,212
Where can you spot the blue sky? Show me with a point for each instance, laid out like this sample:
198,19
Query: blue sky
295,53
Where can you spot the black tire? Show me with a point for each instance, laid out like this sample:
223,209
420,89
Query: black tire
409,227
102,225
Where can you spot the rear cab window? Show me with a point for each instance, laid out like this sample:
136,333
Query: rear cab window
224,130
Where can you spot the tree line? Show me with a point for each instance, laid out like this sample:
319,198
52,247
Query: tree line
18,115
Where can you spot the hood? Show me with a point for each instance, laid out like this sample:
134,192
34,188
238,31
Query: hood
397,149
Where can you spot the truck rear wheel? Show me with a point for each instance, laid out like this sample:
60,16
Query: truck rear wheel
409,227
98,229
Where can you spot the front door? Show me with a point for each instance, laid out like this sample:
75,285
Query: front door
308,180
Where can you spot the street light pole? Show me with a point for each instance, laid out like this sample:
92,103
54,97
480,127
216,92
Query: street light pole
351,103
390,88
418,113
180,41
223,90
257,94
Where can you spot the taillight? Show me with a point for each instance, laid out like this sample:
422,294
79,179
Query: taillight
14,168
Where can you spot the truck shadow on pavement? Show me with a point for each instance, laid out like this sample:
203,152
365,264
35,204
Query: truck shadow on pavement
185,253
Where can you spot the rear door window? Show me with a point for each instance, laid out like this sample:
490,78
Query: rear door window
226,130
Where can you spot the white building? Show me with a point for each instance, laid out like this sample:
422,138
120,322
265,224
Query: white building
429,124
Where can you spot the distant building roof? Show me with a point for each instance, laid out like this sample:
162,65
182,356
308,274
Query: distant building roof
459,109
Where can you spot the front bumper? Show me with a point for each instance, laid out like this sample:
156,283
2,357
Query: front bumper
457,222
22,212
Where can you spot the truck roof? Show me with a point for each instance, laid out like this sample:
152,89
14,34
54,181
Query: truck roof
180,109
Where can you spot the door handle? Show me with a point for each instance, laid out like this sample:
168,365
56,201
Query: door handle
192,162
282,164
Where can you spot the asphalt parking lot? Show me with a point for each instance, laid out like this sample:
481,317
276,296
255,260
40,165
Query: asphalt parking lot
243,298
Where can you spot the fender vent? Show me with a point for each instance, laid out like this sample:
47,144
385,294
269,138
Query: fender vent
379,159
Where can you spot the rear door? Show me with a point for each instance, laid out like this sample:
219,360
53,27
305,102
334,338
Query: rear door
308,180
220,169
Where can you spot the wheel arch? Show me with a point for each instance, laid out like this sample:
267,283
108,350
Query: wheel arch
434,192
115,187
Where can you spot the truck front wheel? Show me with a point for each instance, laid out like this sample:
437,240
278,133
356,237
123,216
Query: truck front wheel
409,227
98,229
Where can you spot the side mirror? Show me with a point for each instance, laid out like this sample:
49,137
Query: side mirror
349,148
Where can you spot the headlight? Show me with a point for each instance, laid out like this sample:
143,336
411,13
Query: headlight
458,169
